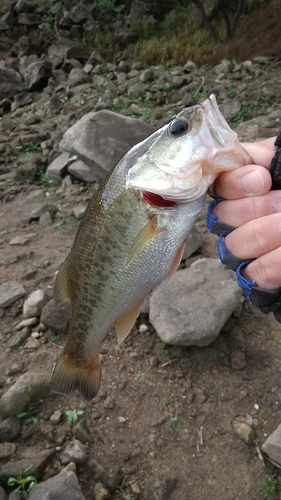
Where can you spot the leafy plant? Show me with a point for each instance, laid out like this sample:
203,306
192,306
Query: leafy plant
232,91
268,486
243,115
43,178
23,484
73,415
32,147
175,421
30,418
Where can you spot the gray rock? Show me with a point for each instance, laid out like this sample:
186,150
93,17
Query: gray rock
64,486
230,108
57,166
37,74
27,322
192,308
81,432
56,316
77,76
272,446
243,430
21,239
10,292
34,304
29,19
81,171
29,388
67,49
39,461
101,138
3,495
135,91
7,450
20,337
74,452
193,243
10,429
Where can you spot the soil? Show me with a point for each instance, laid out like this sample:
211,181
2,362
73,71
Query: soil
161,425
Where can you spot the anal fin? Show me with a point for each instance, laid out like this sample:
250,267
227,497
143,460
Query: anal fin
67,377
124,325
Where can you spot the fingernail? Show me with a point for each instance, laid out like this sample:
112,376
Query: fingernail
253,182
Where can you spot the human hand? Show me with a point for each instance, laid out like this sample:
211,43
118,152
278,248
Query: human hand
255,211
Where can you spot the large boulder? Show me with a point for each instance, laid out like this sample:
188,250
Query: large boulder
192,308
101,138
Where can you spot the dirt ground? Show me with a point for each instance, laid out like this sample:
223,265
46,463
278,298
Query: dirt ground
161,425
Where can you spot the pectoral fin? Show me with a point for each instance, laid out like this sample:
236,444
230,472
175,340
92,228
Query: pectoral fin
124,325
177,260
144,237
61,291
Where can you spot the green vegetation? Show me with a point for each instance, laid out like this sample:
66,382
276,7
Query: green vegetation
175,422
32,147
23,484
43,178
268,486
73,415
243,115
30,418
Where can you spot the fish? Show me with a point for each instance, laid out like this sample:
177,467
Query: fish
133,233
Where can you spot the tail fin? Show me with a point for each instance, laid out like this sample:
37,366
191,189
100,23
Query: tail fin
67,377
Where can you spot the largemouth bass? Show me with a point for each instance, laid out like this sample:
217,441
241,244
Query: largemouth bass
133,234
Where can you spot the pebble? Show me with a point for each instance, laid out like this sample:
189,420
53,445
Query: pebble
7,450
100,492
143,328
10,292
27,322
243,430
34,304
56,416
22,240
74,452
20,337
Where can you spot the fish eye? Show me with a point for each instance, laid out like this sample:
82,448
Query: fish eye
179,126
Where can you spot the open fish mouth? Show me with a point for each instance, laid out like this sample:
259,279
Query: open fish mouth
188,154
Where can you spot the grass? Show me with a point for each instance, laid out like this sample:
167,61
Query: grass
268,486
175,422
29,418
243,115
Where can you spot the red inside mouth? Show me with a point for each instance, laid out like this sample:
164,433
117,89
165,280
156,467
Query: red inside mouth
156,200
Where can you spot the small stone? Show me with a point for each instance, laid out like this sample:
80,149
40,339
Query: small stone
243,430
20,337
237,360
153,361
7,450
122,420
21,240
55,417
81,432
34,304
45,219
79,211
74,452
109,403
27,322
10,292
100,492
143,328
135,488
32,344
10,429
